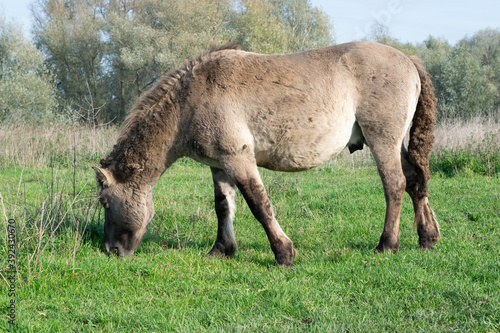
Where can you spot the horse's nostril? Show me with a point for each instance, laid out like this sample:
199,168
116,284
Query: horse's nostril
113,250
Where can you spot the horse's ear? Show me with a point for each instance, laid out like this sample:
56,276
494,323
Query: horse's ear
104,177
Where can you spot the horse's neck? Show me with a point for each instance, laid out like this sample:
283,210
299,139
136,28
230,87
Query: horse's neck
147,148
164,153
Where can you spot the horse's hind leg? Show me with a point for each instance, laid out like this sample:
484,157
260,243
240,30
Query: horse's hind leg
225,207
243,171
425,220
388,161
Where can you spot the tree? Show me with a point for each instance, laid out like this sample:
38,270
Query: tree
107,52
459,80
306,27
69,32
380,33
149,37
27,89
485,48
282,26
463,75
260,30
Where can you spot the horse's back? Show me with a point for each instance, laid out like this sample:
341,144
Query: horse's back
297,111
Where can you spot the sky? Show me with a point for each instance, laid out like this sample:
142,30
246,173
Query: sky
411,20
408,20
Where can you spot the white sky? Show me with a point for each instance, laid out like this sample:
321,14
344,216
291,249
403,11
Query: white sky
408,20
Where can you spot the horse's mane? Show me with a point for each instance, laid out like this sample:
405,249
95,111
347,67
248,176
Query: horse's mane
163,87
145,123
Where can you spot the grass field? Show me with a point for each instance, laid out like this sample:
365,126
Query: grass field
334,215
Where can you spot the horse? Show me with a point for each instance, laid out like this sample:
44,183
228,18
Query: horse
234,111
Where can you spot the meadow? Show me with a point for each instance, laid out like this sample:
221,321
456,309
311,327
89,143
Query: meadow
334,215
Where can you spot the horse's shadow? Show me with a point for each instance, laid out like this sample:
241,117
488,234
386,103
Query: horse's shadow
258,253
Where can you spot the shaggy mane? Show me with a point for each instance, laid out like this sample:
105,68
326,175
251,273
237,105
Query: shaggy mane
145,125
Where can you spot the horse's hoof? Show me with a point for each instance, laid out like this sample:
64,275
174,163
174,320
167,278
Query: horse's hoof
284,263
426,243
387,243
382,249
291,265
427,238
222,251
284,259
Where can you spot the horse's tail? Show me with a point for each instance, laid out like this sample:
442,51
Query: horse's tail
419,150
422,130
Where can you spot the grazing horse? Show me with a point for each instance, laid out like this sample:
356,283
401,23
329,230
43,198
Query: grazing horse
234,111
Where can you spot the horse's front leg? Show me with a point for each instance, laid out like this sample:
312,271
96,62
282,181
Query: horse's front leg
225,207
243,170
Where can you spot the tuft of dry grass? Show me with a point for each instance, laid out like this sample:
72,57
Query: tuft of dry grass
41,146
47,186
471,147
453,134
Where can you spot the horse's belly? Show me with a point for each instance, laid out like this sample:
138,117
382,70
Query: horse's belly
291,162
303,144
300,153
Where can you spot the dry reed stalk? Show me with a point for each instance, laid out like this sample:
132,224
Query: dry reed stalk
36,146
460,134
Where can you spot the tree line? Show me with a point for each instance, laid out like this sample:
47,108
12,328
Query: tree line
466,76
100,55
91,59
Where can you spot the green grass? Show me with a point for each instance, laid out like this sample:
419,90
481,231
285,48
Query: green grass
334,216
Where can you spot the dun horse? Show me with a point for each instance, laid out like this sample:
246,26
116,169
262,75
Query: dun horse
234,111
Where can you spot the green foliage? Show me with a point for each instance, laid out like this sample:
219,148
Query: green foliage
69,34
477,158
485,47
261,30
27,88
460,83
279,26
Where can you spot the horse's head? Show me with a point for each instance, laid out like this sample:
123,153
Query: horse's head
128,209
